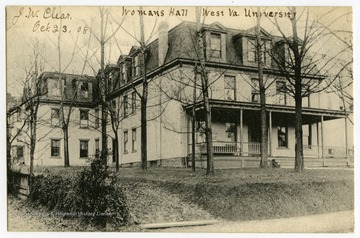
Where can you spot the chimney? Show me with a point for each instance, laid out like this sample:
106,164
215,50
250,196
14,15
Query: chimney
163,41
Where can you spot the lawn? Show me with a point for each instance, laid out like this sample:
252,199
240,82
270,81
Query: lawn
241,194
178,194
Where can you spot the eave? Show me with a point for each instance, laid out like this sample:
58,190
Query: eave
185,61
327,114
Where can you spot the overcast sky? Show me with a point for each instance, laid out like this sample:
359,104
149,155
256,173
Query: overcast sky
25,25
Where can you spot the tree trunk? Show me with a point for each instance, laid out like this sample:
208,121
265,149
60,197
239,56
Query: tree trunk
103,87
205,91
116,152
8,147
208,133
193,124
143,135
66,146
33,123
143,97
299,157
263,121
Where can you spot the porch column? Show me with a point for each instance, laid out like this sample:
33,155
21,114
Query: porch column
241,132
318,140
322,136
346,139
270,133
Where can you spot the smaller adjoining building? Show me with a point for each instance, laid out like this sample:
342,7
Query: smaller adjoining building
73,96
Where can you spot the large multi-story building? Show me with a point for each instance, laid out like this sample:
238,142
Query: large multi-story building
170,61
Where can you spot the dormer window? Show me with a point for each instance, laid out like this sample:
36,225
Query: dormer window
123,73
215,45
54,87
110,81
84,89
214,37
251,50
251,47
137,65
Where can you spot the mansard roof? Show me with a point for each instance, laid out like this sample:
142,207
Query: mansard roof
181,40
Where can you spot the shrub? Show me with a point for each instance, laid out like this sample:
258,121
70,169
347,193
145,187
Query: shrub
99,196
91,195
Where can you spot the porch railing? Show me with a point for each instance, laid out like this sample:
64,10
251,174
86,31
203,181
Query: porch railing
234,148
254,149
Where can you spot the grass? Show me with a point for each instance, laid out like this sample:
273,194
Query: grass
247,194
178,194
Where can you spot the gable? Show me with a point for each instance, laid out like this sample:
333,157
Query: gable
134,50
263,33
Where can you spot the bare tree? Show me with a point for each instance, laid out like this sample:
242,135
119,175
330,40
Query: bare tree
263,121
304,68
103,39
32,92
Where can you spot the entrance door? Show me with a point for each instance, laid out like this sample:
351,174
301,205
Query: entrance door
254,136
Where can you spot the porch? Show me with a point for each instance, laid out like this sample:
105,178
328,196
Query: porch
236,131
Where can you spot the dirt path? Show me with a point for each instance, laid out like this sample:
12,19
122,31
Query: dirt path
21,217
20,220
337,222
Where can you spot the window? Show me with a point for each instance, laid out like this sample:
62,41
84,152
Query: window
137,65
125,141
307,134
215,45
281,92
20,152
55,117
230,130
306,101
55,148
255,94
229,87
97,148
113,105
84,118
251,50
84,89
110,81
133,102
133,137
97,118
251,47
54,87
282,136
84,148
123,73
125,105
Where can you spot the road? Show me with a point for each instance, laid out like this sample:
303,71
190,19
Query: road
339,222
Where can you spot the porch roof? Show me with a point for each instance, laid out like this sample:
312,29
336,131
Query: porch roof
232,105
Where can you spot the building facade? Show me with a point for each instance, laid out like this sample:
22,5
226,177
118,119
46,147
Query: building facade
174,89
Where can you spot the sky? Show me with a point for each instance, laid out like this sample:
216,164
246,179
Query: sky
80,30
